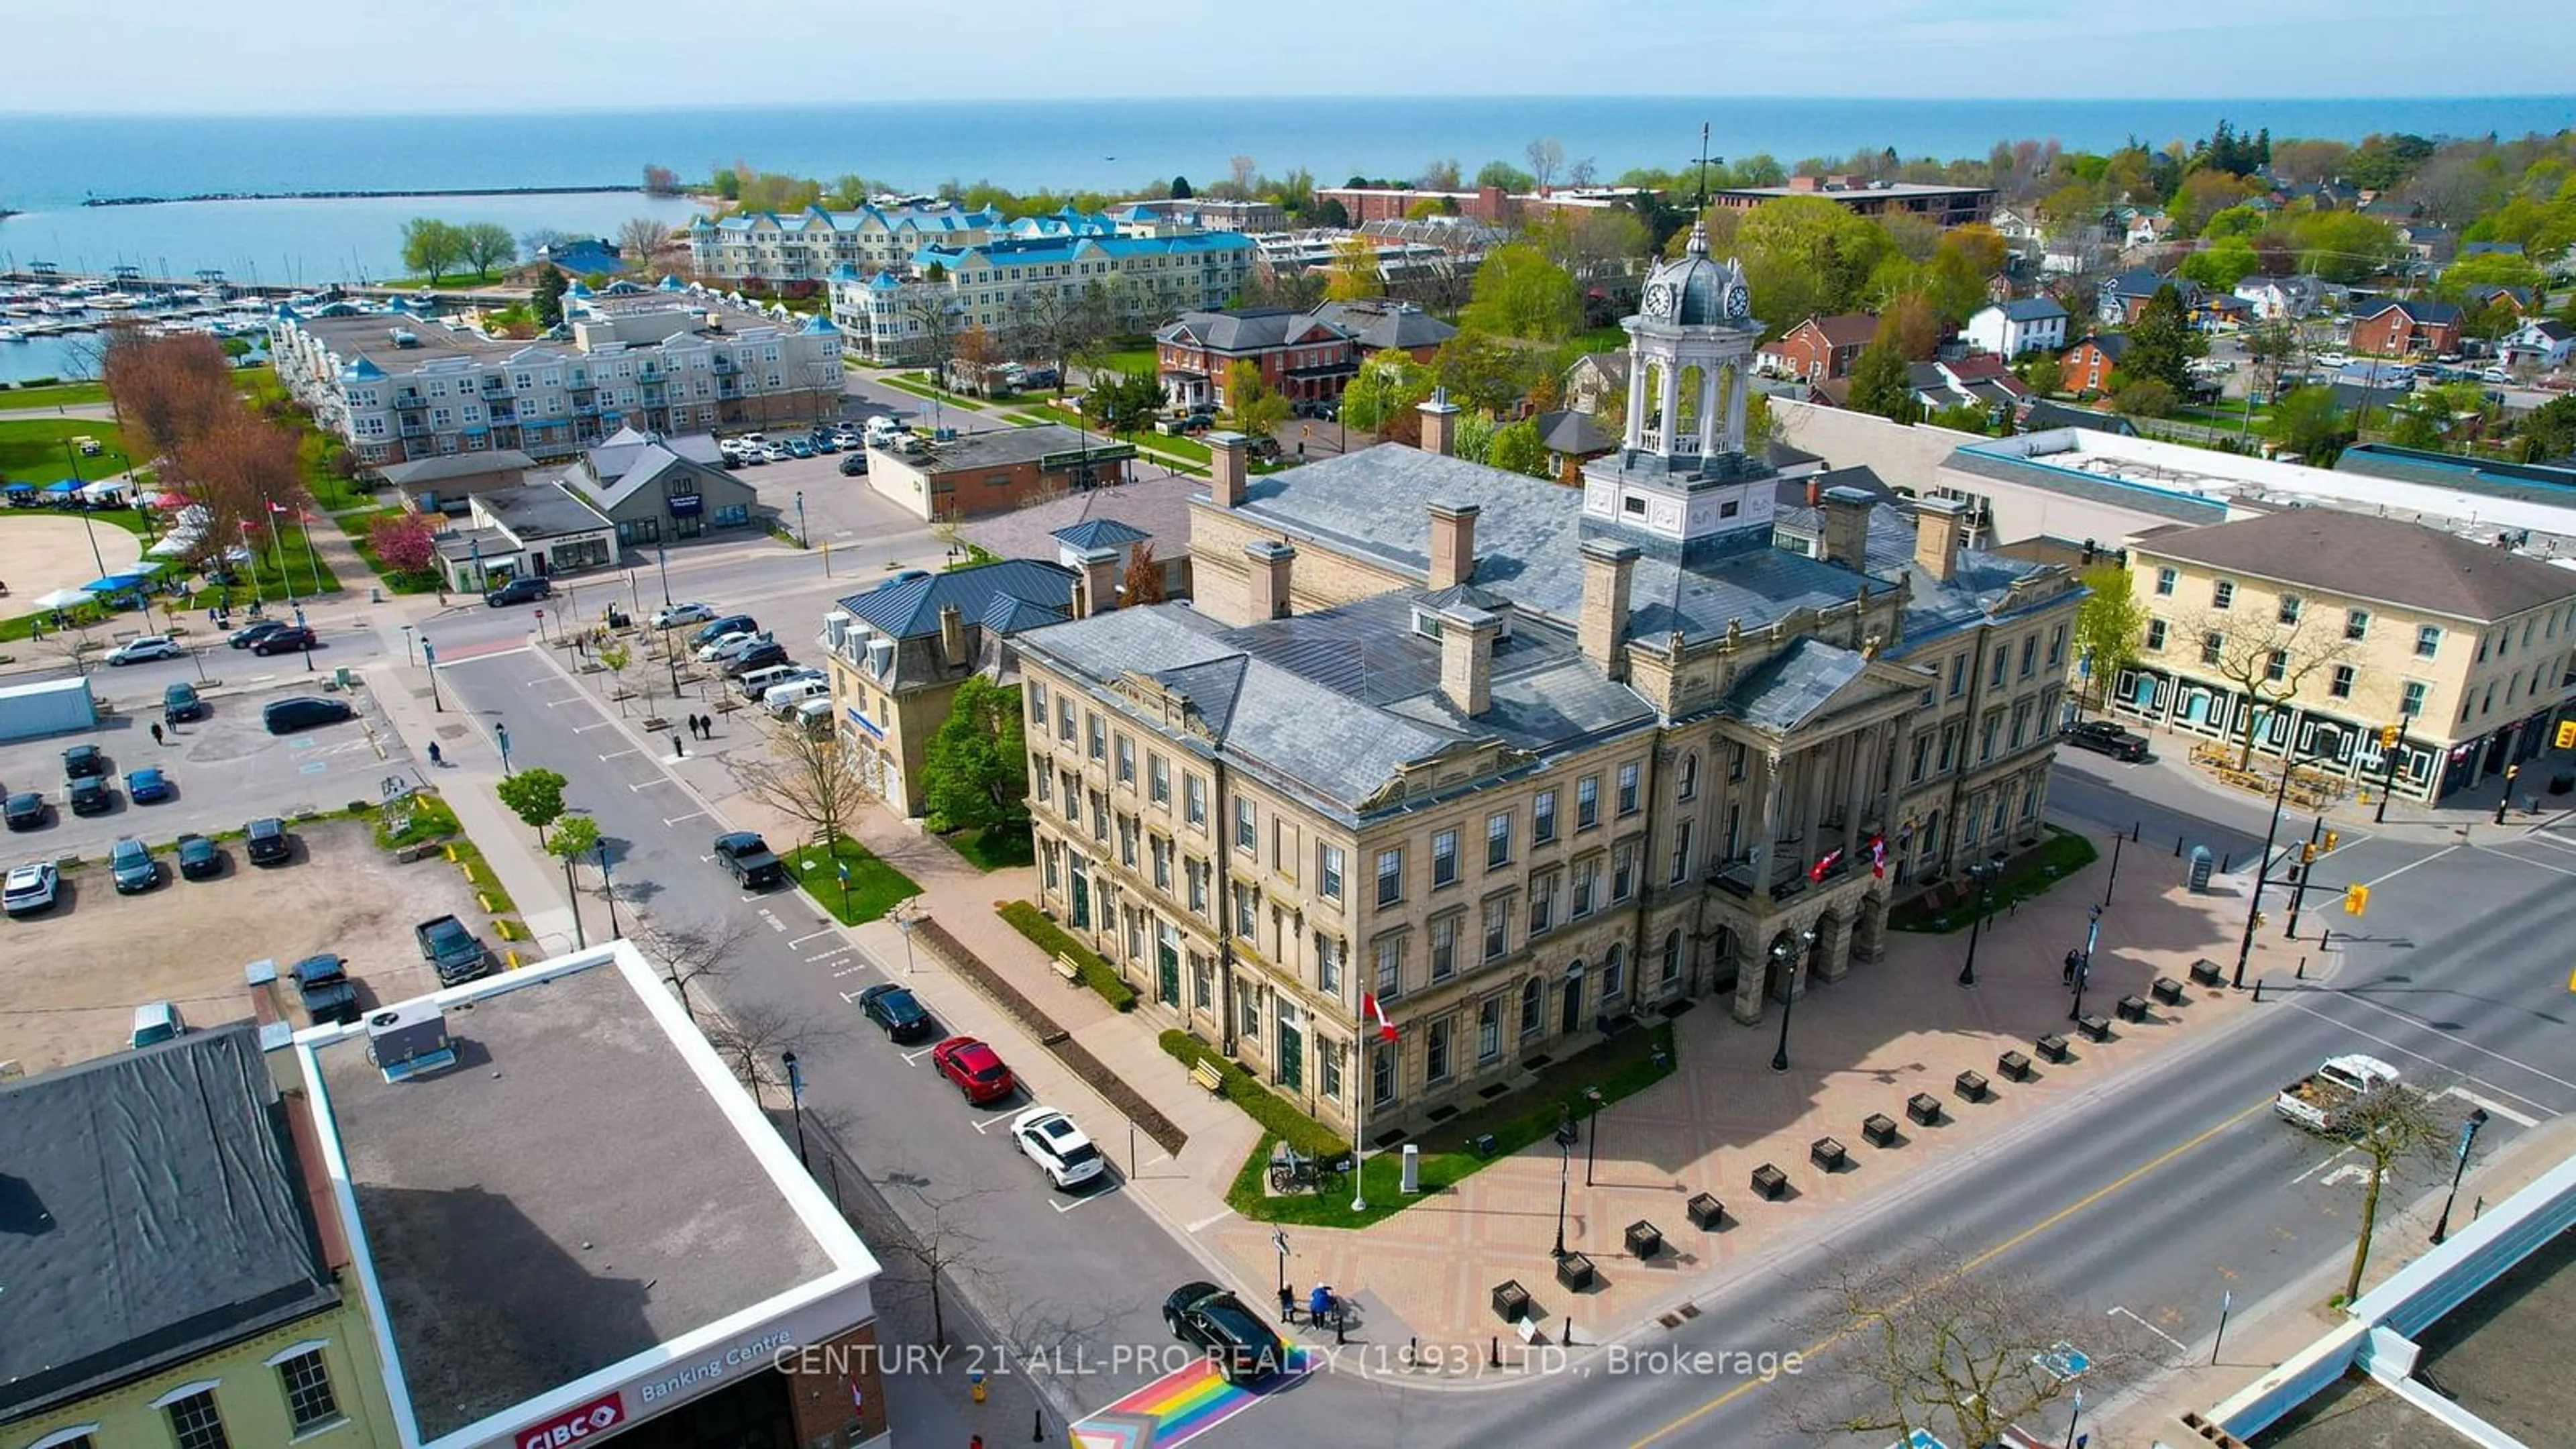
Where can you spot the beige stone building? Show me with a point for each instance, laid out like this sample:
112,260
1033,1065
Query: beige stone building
1522,761
2357,623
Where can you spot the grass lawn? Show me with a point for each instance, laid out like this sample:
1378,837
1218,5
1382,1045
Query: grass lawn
32,449
997,849
936,394
1183,450
1621,1067
1124,359
355,523
64,394
2029,874
875,887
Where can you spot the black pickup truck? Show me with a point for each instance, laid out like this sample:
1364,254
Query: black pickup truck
749,858
451,950
2106,737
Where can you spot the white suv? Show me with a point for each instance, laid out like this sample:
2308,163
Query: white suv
1049,1139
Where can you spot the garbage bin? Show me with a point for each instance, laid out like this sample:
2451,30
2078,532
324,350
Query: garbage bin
342,677
2202,863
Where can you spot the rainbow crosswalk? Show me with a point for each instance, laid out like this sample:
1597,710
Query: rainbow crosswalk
1180,1405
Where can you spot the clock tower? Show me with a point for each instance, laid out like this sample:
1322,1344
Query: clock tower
1680,473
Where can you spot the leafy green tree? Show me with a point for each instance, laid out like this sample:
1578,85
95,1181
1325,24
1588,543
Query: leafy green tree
2549,430
1354,273
487,244
1952,284
2233,221
1388,386
1805,255
2222,266
2309,422
1505,175
1878,384
2344,246
431,248
728,183
1486,372
1181,189
535,796
1963,418
975,767
2487,269
1124,402
574,839
1252,407
1329,212
1517,448
2144,398
2110,625
1520,293
2381,162
2162,342
2205,194
546,301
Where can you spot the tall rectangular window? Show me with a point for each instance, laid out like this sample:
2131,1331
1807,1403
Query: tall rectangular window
1126,761
2411,703
1543,817
1390,968
1247,838
1444,948
1194,800
1623,872
1587,802
2428,641
1158,780
2165,581
2029,654
1435,1051
1498,915
1584,875
1390,876
1328,872
2341,686
2222,593
1328,965
1489,1029
196,1424
1064,718
1444,859
1542,906
1197,873
2290,606
2356,624
1498,840
1099,729
310,1403
1682,851
1628,788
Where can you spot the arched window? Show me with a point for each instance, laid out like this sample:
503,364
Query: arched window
1672,956
1533,1002
1690,776
1614,973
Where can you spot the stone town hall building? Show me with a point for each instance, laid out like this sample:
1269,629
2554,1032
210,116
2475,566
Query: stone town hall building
1521,760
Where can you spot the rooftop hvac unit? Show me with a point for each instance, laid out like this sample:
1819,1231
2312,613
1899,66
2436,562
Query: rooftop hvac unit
407,1040
836,629
405,338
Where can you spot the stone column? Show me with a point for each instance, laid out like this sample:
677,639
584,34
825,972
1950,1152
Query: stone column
1860,758
1767,839
1735,406
1636,400
1668,392
1706,442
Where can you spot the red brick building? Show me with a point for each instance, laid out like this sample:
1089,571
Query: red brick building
1820,349
1489,204
1308,356
2402,328
2088,365
1943,206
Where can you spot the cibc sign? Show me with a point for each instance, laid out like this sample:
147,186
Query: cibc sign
574,1426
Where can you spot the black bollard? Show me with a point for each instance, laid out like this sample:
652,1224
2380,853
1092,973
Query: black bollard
2325,938
1568,1340
2177,847
1037,1427
1494,1352
2137,828
1341,1319
2302,973
2258,988
2225,861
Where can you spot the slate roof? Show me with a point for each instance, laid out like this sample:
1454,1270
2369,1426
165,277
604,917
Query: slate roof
2142,282
1844,329
1789,687
910,610
2032,309
1574,433
1376,326
1156,508
153,1212
440,467
1246,330
2113,345
2424,313
2374,558
1100,533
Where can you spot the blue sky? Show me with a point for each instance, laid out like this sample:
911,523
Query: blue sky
267,56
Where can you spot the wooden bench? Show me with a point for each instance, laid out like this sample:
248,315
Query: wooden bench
1068,968
1209,1075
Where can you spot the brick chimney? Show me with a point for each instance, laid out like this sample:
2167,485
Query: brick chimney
1938,523
1847,527
1269,560
1815,492
952,636
1603,628
1467,658
1439,423
1453,544
1099,587
1228,466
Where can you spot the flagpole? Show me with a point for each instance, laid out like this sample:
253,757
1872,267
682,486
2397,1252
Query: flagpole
1359,1139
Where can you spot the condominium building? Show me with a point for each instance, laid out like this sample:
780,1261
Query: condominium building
810,245
398,386
904,316
1520,761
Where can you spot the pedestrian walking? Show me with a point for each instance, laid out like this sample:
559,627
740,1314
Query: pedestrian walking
435,758
2067,977
1287,1304
156,736
679,749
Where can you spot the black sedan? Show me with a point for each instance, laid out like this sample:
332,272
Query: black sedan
199,859
246,637
28,811
1219,1324
82,762
898,1011
2106,737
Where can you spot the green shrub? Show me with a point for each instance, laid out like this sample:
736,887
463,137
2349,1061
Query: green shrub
1276,1114
1097,974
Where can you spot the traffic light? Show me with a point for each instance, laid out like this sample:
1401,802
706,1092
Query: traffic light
2331,837
2356,899
2567,734
2388,737
2308,853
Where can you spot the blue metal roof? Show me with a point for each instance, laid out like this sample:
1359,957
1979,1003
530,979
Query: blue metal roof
910,610
1100,533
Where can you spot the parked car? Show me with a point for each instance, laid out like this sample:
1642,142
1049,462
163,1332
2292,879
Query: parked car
31,888
671,616
291,639
303,712
753,683
266,842
518,591
322,983
89,795
825,443
1037,378
729,646
750,861
451,950
245,637
144,647
760,654
854,465
199,859
147,786
27,811
1048,1138
2319,1100
2108,738
1243,1346
715,629
181,703
80,762
154,1023
976,1069
897,1010
798,448
131,866
783,700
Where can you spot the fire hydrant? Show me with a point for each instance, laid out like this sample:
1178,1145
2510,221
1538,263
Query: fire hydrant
975,1384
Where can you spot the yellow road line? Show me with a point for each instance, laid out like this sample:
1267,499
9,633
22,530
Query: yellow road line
1817,1348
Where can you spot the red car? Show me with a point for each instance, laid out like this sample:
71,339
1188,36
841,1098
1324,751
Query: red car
975,1068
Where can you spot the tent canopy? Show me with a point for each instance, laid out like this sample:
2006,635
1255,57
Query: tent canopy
62,598
68,485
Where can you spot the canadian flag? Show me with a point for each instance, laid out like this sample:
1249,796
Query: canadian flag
1825,862
1878,855
1377,1013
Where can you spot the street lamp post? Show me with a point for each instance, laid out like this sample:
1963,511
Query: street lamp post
2074,1419
662,564
1564,1172
2468,1139
429,661
2084,963
803,539
2263,866
572,894
409,656
1983,873
1784,955
608,888
86,524
1591,1133
796,1104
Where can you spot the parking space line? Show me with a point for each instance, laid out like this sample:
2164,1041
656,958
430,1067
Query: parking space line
2519,1119
2444,1035
648,784
1066,1207
916,1056
586,729
619,754
801,940
672,820
560,703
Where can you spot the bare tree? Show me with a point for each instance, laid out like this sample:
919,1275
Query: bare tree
2267,648
753,1036
1581,173
690,953
616,658
935,314
74,641
1937,1342
938,1240
805,775
1144,581
1546,158
170,390
2392,1129
640,237
1240,172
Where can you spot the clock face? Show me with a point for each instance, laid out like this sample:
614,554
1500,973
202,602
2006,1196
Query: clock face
1659,300
1739,301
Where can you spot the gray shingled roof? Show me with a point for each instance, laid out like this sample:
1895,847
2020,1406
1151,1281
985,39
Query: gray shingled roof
2374,558
910,610
443,466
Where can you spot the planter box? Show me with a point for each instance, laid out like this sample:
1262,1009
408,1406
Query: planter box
2205,972
1574,1272
2133,1008
1770,1182
2095,1028
2014,1066
1706,1212
2052,1048
1511,1301
1972,1085
1924,1108
2166,990
1828,1154
1645,1240
1879,1130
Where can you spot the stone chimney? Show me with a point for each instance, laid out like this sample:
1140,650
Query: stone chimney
1439,423
952,636
1938,523
1467,658
1603,629
1269,561
1847,527
1099,587
1228,466
1453,544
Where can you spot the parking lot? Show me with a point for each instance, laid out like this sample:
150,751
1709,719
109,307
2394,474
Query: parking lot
225,769
837,509
74,974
